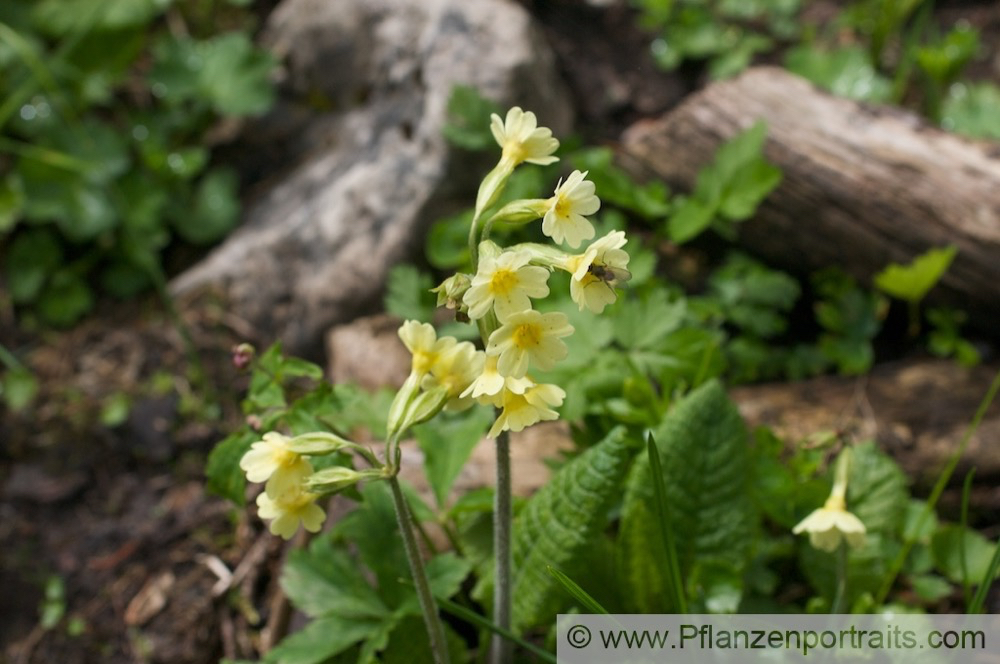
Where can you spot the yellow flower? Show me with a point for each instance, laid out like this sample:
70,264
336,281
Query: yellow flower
488,384
523,410
422,342
597,271
564,220
455,370
522,139
270,460
529,337
829,524
505,283
289,508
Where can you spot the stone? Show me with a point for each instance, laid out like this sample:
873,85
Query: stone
356,143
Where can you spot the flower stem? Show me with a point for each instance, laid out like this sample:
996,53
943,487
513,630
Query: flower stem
435,629
501,650
841,593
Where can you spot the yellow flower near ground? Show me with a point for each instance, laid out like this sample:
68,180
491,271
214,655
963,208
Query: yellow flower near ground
422,342
534,405
505,283
597,271
522,140
529,337
271,460
830,524
564,220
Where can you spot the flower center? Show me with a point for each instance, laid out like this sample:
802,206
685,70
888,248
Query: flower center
527,336
503,282
562,206
422,361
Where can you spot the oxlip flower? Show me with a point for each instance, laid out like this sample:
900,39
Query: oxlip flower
564,219
529,337
270,460
831,524
487,386
522,140
455,370
505,283
288,509
422,342
597,271
534,405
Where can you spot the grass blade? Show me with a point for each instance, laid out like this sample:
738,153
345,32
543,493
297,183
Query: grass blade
673,567
578,593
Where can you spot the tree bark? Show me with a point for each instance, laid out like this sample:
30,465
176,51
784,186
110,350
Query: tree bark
863,185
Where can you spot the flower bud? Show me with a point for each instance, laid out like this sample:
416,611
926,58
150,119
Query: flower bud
242,355
337,478
452,290
318,443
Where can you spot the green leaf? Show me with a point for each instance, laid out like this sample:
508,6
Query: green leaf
946,548
971,109
18,388
61,17
64,299
224,476
689,220
643,323
326,581
846,72
11,202
876,491
703,450
468,123
215,210
747,187
322,639
408,293
557,524
931,587
32,257
740,151
911,282
447,443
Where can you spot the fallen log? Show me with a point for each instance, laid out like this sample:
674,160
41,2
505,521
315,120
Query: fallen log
863,185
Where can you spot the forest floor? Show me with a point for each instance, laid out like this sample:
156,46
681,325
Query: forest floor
110,549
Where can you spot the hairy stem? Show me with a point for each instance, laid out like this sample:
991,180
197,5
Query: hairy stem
501,650
435,629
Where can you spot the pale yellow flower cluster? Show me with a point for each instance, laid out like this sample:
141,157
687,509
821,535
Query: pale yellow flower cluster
499,296
285,500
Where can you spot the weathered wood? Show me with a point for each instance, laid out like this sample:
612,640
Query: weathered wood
863,186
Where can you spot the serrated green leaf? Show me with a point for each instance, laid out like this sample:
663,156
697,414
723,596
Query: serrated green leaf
326,581
747,187
408,293
846,72
321,639
556,525
740,151
641,324
447,443
912,281
704,454
689,220
224,476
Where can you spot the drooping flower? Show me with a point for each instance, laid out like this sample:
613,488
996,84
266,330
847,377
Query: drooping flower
564,220
534,405
422,342
832,523
597,271
489,383
522,140
270,460
505,283
289,508
455,370
529,337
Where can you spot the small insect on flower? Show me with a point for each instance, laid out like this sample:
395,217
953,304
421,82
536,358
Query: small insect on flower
614,277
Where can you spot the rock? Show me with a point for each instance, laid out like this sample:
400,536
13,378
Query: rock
368,352
358,131
917,410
